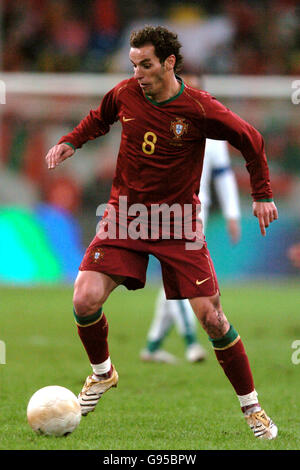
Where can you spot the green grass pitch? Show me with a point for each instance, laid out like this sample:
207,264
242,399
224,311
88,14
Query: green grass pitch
155,406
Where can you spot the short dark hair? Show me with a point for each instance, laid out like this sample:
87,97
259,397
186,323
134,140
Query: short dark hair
165,43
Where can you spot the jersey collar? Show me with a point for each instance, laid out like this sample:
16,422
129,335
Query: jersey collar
162,103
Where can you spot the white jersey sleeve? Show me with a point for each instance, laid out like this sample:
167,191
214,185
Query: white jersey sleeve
217,167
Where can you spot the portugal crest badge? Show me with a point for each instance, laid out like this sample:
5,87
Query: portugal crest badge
179,127
96,255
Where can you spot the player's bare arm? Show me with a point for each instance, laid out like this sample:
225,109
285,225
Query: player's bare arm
58,154
266,212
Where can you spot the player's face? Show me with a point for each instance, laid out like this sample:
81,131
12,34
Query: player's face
148,70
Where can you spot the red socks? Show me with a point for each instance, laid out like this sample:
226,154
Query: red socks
232,357
93,332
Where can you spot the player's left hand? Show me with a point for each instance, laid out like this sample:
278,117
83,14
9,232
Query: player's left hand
266,212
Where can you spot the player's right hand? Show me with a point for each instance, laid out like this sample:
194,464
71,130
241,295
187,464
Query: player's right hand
58,154
266,212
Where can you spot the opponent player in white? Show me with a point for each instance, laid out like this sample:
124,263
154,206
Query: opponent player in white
216,167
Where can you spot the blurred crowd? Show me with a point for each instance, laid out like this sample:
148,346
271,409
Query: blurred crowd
223,36
247,37
235,37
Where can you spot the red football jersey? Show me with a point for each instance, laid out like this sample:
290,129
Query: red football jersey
162,144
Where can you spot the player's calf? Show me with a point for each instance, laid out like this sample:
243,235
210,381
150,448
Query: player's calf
232,357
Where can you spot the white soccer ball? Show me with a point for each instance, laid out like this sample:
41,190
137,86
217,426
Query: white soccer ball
53,411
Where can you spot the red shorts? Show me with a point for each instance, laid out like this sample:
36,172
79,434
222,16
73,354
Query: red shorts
185,273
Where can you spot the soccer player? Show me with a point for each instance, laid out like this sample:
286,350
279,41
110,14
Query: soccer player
216,166
164,127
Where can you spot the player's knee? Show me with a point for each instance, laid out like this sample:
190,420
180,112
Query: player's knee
205,311
91,290
205,307
86,300
210,314
84,304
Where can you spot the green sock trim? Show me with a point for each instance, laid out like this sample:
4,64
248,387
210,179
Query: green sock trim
190,338
85,321
221,343
152,346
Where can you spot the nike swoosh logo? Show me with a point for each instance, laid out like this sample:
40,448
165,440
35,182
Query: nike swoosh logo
128,119
201,282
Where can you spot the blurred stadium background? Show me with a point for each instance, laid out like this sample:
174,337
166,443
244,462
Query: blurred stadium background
58,58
